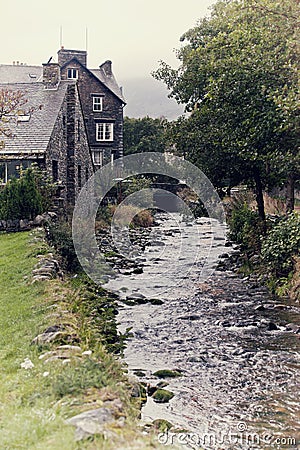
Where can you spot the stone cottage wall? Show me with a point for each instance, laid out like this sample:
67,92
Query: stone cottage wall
68,146
88,84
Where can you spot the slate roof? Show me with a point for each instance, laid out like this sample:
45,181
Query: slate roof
33,74
109,81
33,136
20,74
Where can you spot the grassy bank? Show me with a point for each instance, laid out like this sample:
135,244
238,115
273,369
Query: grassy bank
35,401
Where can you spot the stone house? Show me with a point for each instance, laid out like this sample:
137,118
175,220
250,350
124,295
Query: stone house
76,125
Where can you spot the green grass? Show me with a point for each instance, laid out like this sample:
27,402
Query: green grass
22,402
33,407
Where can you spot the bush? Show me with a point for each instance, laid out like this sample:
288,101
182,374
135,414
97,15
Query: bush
27,196
20,198
45,186
246,227
281,245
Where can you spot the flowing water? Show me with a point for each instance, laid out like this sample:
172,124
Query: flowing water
236,347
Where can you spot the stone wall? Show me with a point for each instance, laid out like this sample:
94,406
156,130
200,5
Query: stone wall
68,146
12,226
83,156
56,151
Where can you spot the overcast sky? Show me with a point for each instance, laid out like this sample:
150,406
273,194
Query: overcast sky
134,34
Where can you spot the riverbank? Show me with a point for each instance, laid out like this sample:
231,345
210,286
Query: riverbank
269,249
54,361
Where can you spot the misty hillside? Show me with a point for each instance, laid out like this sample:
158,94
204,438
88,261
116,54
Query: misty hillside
149,97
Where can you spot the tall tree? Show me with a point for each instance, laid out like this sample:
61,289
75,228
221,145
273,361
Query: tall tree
144,135
239,78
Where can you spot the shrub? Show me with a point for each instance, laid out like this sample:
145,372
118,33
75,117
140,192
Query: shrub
20,198
245,227
281,245
45,186
27,196
137,184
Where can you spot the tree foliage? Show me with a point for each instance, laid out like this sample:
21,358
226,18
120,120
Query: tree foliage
144,135
239,79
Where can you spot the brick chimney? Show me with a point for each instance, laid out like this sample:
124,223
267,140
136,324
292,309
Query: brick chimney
51,75
64,56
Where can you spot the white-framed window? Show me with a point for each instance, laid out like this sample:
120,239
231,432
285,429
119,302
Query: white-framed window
72,74
98,157
97,104
105,132
10,169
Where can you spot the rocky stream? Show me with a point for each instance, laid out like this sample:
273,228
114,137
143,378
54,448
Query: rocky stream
234,348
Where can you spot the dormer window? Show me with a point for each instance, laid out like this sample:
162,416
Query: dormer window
23,117
72,74
97,104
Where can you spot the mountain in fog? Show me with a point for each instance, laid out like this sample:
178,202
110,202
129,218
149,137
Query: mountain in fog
149,97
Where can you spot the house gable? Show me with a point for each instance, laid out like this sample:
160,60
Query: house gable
105,141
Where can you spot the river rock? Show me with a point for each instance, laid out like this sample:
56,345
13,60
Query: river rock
24,224
190,317
272,326
260,308
51,334
46,338
91,422
293,327
162,396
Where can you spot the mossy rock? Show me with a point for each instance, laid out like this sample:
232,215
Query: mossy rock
141,301
151,390
128,302
162,396
139,373
162,384
139,391
156,301
167,373
161,425
111,254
